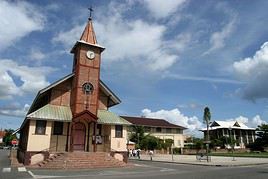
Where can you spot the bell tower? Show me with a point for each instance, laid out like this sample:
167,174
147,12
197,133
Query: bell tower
86,69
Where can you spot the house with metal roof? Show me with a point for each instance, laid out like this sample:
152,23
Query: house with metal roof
72,114
159,128
237,131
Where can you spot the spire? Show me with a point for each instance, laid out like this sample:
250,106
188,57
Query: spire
89,34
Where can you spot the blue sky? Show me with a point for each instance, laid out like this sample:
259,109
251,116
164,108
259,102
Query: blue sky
167,59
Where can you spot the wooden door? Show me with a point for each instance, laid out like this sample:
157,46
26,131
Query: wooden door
79,135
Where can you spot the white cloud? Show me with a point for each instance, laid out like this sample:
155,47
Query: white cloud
163,8
201,78
14,109
19,19
253,70
253,65
217,39
176,117
136,41
32,79
7,86
36,55
68,38
254,122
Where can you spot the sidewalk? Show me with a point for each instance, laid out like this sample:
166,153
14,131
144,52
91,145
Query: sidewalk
215,160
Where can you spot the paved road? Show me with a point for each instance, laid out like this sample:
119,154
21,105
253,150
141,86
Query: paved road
139,170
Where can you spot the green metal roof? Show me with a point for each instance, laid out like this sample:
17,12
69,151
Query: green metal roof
53,113
107,117
64,113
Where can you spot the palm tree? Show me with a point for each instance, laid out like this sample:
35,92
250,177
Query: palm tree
206,118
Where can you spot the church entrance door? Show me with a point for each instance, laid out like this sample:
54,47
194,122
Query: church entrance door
79,136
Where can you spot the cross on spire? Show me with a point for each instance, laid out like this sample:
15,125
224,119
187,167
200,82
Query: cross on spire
90,12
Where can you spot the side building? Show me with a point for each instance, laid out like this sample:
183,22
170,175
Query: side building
239,132
159,128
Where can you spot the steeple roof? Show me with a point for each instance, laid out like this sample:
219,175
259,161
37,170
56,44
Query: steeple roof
89,35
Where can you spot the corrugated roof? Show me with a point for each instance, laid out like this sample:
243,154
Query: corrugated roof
142,121
64,113
226,125
108,117
52,112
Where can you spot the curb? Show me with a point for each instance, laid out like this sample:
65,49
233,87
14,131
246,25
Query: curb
210,165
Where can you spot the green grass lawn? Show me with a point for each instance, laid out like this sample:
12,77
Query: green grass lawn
246,154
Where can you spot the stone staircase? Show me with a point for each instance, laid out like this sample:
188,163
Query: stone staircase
80,160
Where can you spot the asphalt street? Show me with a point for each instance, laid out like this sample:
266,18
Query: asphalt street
139,169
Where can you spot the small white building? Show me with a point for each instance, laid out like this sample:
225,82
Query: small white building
242,134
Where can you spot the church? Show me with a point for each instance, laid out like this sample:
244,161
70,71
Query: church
72,114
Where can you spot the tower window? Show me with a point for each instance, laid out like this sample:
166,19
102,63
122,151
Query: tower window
88,88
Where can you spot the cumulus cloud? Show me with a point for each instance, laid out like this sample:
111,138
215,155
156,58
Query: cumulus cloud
254,122
176,117
161,9
36,54
68,38
14,109
138,41
32,79
19,19
253,70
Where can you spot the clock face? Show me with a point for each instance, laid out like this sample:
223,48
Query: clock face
90,55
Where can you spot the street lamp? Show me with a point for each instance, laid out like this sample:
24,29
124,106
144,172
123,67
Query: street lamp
232,144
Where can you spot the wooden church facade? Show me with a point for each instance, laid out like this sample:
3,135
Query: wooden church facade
73,114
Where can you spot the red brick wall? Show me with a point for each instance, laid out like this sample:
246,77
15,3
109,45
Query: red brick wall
85,71
60,94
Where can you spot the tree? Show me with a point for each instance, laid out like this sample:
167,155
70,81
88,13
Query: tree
8,136
149,142
263,134
198,143
138,135
262,138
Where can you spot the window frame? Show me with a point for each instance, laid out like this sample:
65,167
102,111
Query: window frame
169,130
119,133
157,129
61,126
99,129
40,125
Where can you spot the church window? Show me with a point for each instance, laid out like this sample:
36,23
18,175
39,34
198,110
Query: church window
58,128
40,127
88,88
118,131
